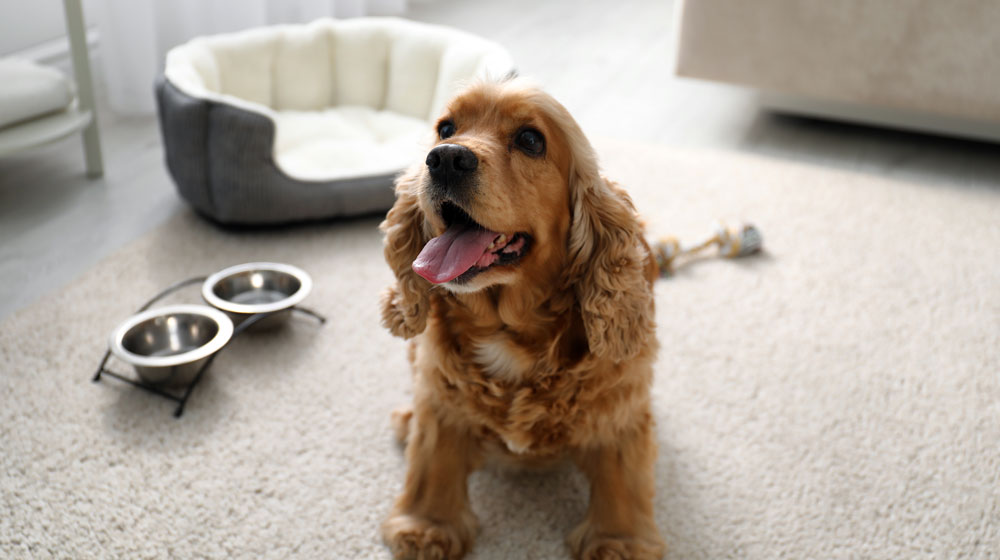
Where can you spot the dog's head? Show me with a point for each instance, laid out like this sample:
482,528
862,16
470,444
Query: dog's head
493,190
510,195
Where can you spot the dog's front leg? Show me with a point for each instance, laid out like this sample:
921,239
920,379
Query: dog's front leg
619,521
432,518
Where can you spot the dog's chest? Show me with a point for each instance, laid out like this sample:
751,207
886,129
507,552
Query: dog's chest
518,417
502,359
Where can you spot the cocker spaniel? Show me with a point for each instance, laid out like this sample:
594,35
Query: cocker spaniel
525,283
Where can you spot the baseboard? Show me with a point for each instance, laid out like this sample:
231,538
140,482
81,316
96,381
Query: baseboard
882,116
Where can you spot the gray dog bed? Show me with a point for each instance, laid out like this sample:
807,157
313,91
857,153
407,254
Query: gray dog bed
304,122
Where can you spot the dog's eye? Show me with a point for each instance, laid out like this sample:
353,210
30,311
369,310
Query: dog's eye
530,141
446,129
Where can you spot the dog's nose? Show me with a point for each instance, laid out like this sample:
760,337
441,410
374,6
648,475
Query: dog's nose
451,161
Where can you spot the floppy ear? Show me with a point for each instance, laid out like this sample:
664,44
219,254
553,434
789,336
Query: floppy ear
405,303
607,267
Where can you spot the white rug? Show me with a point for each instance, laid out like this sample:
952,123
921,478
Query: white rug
838,397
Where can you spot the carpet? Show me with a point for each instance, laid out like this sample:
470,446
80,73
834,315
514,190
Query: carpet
835,397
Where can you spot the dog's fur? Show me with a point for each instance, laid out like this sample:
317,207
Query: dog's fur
550,357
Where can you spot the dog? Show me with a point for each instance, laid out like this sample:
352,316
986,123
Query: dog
525,283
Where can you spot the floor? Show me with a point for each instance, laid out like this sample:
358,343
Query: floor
610,67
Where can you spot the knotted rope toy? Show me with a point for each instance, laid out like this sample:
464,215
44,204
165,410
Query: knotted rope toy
731,242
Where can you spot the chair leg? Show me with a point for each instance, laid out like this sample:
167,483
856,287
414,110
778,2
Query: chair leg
92,149
77,30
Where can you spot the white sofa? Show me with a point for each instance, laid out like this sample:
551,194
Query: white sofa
925,65
299,122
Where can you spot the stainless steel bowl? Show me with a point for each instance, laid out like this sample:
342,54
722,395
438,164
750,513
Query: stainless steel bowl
245,290
168,345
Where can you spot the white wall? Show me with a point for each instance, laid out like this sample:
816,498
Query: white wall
28,24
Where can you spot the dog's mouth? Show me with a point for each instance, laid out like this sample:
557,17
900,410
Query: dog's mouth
467,249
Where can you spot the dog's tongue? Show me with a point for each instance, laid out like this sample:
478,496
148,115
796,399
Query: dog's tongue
447,256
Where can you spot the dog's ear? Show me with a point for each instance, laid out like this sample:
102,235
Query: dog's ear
405,304
607,267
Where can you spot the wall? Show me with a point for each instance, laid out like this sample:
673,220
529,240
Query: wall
37,28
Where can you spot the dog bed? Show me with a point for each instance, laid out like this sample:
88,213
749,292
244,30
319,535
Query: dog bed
300,122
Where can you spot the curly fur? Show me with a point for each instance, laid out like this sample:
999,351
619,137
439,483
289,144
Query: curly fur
405,304
533,362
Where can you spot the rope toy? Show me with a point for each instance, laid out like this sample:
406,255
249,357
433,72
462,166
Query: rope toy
732,243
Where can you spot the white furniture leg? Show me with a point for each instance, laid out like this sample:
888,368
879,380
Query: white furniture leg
81,70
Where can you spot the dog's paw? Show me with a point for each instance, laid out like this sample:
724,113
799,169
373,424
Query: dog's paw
416,538
400,420
402,320
588,544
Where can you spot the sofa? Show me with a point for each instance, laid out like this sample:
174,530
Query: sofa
922,65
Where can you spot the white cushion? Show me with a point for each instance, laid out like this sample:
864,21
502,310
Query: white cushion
28,90
346,142
349,98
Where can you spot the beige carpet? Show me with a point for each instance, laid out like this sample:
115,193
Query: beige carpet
838,397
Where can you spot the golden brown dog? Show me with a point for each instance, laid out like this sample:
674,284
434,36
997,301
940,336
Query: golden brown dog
525,281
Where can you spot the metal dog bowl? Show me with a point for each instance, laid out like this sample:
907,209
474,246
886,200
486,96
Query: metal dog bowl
169,345
245,290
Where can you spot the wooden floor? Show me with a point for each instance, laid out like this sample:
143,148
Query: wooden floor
608,62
